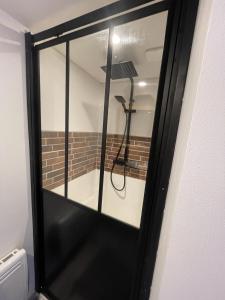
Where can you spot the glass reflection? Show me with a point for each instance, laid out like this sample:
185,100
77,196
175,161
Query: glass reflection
87,86
83,248
136,64
52,88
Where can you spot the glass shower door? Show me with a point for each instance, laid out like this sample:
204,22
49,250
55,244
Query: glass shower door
90,237
86,105
52,100
136,63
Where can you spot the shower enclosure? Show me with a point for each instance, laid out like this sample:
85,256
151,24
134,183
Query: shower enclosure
104,98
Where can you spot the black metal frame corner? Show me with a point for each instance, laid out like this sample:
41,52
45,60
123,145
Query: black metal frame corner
91,17
33,113
179,35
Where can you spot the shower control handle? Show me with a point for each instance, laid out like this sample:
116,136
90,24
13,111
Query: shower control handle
119,161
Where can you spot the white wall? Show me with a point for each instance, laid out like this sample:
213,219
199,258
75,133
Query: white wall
86,99
52,86
142,120
15,199
86,95
191,256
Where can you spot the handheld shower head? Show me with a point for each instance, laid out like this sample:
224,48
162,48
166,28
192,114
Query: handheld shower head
122,101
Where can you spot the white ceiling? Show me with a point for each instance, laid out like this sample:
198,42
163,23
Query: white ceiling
90,52
41,14
138,41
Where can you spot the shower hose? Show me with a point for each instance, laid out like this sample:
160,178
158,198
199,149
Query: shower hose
114,161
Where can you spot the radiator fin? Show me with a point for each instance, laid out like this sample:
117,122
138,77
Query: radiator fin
13,276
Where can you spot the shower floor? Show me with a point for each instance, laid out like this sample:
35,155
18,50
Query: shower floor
101,267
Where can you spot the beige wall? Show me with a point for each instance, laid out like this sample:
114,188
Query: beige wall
191,261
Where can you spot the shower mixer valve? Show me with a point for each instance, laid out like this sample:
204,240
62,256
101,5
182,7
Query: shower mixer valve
124,70
127,163
119,161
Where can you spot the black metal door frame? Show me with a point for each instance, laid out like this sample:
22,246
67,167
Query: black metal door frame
179,35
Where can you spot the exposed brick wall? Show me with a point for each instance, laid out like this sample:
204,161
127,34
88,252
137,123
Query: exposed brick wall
53,156
84,155
138,151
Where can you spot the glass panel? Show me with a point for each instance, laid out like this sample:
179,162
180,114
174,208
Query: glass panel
87,87
84,249
137,55
52,86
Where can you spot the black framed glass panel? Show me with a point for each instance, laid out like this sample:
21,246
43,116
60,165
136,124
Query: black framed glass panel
52,100
86,102
136,63
81,253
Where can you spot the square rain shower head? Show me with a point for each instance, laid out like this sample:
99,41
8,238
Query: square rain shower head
122,70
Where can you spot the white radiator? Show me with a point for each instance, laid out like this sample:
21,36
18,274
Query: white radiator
14,276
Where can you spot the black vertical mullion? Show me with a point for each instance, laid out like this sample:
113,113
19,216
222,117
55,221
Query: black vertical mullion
105,120
67,90
34,130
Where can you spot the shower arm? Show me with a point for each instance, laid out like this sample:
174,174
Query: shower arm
126,153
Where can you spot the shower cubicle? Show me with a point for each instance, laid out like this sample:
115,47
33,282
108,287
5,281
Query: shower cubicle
103,109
